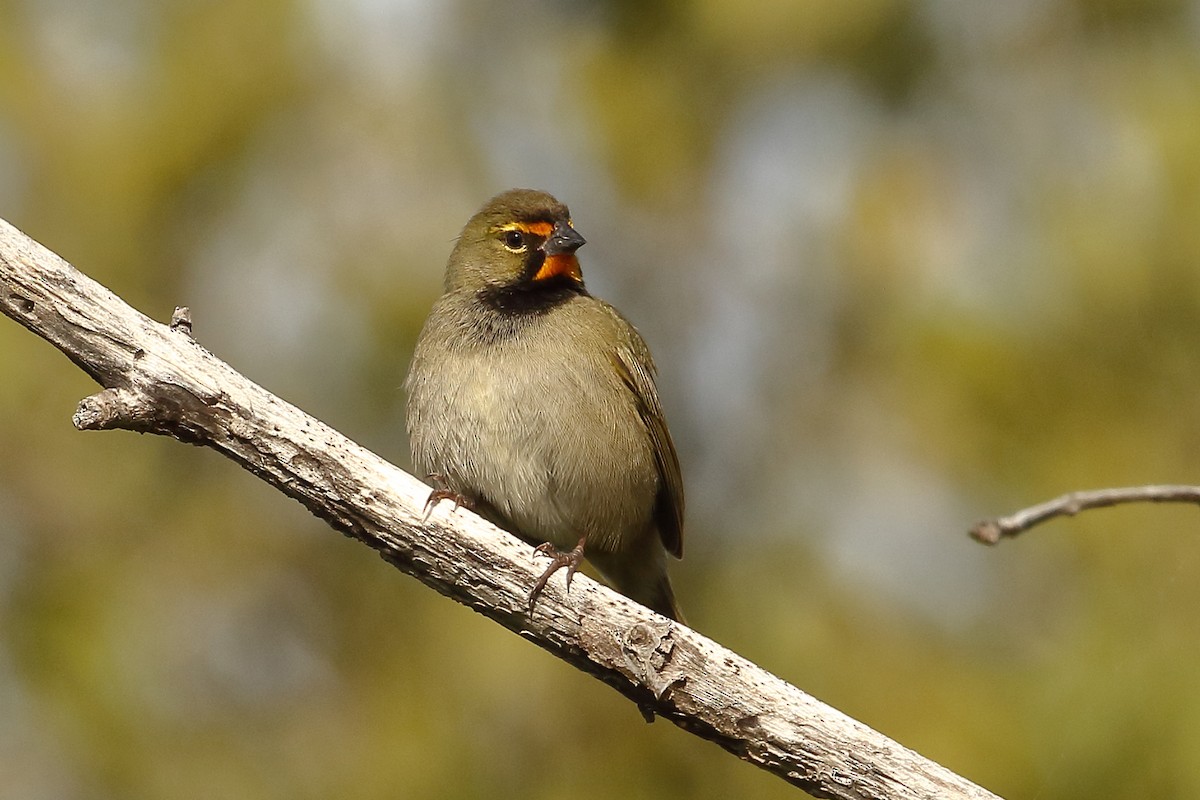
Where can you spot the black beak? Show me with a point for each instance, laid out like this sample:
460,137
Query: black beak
563,239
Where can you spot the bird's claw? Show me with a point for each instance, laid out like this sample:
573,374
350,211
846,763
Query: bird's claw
441,492
558,559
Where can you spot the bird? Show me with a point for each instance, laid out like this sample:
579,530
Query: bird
534,403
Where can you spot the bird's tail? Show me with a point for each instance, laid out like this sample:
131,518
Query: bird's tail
661,598
642,579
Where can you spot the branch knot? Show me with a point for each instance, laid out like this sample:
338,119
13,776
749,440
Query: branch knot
112,408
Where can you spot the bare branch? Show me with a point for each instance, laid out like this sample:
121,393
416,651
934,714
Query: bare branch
157,379
991,531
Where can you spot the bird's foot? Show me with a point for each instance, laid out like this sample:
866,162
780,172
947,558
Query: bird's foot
558,559
442,491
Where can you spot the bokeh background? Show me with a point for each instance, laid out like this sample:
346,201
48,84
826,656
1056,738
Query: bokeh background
904,265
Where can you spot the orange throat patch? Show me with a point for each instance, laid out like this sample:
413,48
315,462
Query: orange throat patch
559,264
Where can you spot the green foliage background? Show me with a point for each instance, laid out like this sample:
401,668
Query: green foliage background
903,265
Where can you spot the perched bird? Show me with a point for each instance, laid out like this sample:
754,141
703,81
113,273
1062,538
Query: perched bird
534,403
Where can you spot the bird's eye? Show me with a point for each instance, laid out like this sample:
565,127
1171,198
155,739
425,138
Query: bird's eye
514,240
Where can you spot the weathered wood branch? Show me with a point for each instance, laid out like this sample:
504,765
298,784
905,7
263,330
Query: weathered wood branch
991,531
157,379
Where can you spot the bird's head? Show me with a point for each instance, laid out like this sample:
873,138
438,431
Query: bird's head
521,240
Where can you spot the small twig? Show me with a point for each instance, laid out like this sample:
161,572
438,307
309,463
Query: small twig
181,320
992,531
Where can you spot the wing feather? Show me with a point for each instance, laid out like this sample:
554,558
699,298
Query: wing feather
634,364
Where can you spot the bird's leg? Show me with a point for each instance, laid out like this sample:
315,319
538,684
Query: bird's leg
442,491
558,559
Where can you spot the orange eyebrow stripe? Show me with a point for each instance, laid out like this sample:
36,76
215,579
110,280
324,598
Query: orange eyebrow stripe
543,229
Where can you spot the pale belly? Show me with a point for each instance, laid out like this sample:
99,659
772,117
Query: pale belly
558,450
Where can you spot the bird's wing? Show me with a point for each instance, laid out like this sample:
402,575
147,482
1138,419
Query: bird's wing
636,368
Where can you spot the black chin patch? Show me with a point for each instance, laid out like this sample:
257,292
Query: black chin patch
531,297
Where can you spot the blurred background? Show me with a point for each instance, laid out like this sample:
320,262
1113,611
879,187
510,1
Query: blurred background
904,265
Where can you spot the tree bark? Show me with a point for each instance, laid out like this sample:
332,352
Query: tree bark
157,379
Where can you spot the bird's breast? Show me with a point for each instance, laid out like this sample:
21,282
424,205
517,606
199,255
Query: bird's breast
545,431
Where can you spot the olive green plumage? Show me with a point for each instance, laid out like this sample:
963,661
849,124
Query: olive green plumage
536,401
